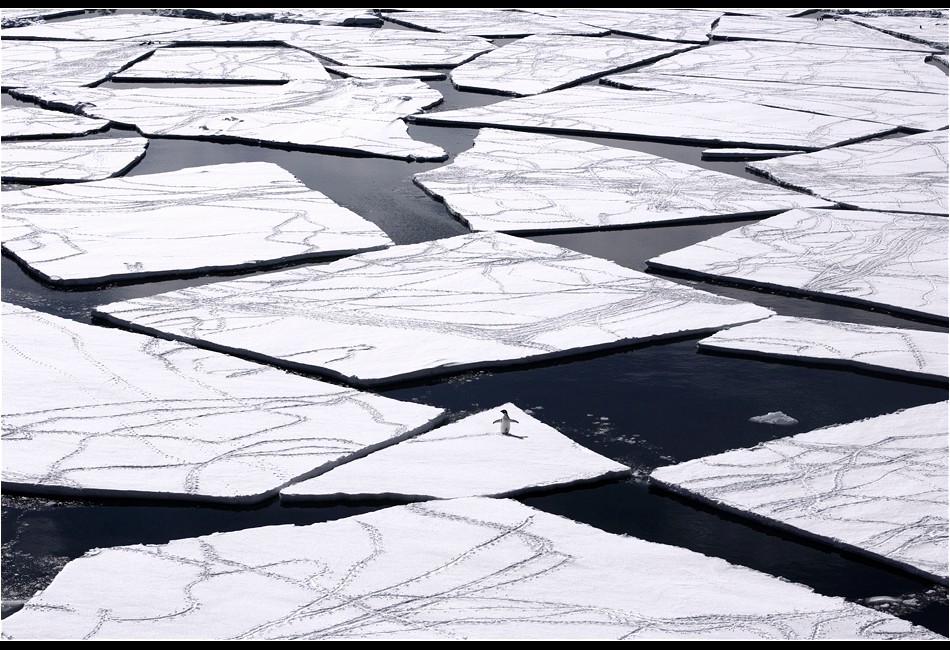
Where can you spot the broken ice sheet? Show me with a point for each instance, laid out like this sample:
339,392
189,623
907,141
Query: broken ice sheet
353,115
841,33
209,64
309,15
469,457
909,110
602,111
76,63
545,62
462,569
890,260
199,219
511,181
95,411
907,174
20,122
877,487
17,17
821,65
489,23
69,160
686,25
930,30
484,299
900,351
111,27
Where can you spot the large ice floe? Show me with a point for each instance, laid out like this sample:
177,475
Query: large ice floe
21,122
842,33
69,160
907,174
484,299
111,27
690,26
231,64
877,487
76,63
195,220
546,62
604,112
94,411
893,350
899,108
489,22
338,115
520,182
892,260
457,569
821,65
470,457
930,30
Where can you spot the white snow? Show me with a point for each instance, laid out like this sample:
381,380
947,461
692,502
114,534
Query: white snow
469,457
892,260
488,22
110,27
484,299
459,569
72,63
95,411
198,219
691,26
209,64
902,351
877,486
35,122
69,160
511,181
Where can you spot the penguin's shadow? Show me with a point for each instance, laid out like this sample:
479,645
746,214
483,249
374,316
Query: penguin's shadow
511,435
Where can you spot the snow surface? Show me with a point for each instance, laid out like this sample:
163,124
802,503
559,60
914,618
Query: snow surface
604,112
488,22
209,64
522,182
68,160
35,122
94,411
336,115
907,174
691,26
458,569
901,351
877,486
929,30
199,219
484,299
892,260
110,27
470,457
72,63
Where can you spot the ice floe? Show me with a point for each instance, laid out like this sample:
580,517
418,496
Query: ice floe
511,181
488,22
17,17
458,569
200,219
339,115
691,26
484,299
820,65
907,174
469,457
908,110
233,64
310,15
891,260
35,122
546,62
605,112
774,417
841,33
74,63
902,351
69,160
96,411
111,27
930,30
877,487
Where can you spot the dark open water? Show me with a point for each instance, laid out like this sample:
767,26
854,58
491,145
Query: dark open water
644,406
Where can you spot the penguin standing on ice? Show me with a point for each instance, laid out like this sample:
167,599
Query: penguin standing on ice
505,422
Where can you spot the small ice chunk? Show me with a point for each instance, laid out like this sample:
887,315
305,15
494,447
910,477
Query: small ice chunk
774,417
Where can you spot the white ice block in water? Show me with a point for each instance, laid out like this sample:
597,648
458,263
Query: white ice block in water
69,160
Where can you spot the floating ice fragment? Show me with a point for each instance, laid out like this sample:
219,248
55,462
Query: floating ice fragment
774,417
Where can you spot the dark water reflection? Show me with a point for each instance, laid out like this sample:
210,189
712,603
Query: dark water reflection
644,406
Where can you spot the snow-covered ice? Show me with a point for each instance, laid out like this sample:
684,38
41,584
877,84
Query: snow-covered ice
877,487
457,569
310,15
930,30
901,351
489,22
73,63
338,115
69,160
483,299
604,111
20,17
690,26
111,27
96,411
199,219
512,181
35,122
469,457
232,64
907,174
892,260
774,417
545,62
376,72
